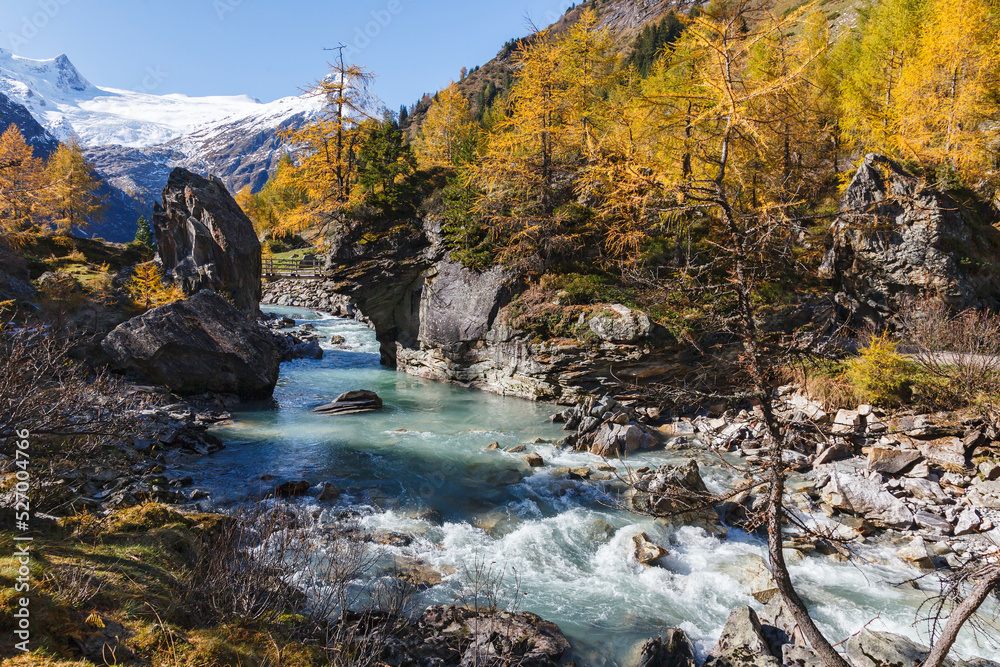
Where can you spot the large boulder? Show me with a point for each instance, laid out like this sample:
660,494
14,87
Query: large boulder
465,637
206,241
199,345
896,238
669,491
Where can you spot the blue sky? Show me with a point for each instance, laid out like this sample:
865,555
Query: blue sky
266,48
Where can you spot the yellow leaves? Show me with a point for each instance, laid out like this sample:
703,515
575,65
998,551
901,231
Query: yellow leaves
147,290
445,132
70,197
21,183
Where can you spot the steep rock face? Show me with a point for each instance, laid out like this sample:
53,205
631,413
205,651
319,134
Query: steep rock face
12,113
437,319
206,241
198,345
898,238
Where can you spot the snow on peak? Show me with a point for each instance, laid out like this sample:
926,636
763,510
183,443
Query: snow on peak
63,101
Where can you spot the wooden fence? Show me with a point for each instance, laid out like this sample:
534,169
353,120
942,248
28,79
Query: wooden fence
293,268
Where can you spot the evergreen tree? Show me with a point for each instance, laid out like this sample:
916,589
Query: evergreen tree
383,157
404,114
144,234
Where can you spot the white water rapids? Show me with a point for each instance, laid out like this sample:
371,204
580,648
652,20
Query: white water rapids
567,543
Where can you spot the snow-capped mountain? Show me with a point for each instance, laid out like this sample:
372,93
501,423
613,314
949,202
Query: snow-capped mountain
136,138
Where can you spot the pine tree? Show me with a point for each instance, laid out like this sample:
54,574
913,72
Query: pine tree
71,194
383,157
144,234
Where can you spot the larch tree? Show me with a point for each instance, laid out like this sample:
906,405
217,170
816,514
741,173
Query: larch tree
538,142
327,162
71,194
447,135
22,181
948,89
871,60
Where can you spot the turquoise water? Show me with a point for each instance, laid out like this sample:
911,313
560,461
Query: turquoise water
421,467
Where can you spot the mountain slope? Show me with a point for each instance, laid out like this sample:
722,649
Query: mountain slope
134,139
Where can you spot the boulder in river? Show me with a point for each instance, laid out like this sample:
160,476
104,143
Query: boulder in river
742,643
461,636
353,402
645,550
671,649
206,240
199,345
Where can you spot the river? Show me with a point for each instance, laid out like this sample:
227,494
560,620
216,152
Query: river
421,467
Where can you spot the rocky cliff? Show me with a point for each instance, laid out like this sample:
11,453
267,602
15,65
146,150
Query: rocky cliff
897,237
437,319
206,241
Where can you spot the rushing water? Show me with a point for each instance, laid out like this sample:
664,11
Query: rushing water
421,467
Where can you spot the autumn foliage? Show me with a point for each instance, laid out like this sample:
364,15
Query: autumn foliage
57,194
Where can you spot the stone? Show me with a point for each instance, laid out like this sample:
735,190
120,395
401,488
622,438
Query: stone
989,470
671,649
206,241
793,655
916,552
352,402
871,648
896,237
645,551
484,638
984,494
534,460
291,489
337,340
968,522
947,451
614,440
812,410
892,461
758,580
668,491
847,422
328,492
926,489
835,452
620,324
866,498
934,523
202,344
742,643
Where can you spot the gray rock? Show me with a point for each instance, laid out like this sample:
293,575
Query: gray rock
984,494
871,648
620,324
926,489
206,241
199,345
867,498
968,522
742,643
793,655
934,523
352,402
892,461
671,649
897,238
669,490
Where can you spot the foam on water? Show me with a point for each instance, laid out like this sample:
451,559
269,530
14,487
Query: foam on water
563,544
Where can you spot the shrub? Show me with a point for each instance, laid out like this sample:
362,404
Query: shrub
880,374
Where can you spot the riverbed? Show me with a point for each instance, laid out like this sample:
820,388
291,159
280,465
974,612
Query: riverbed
423,467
